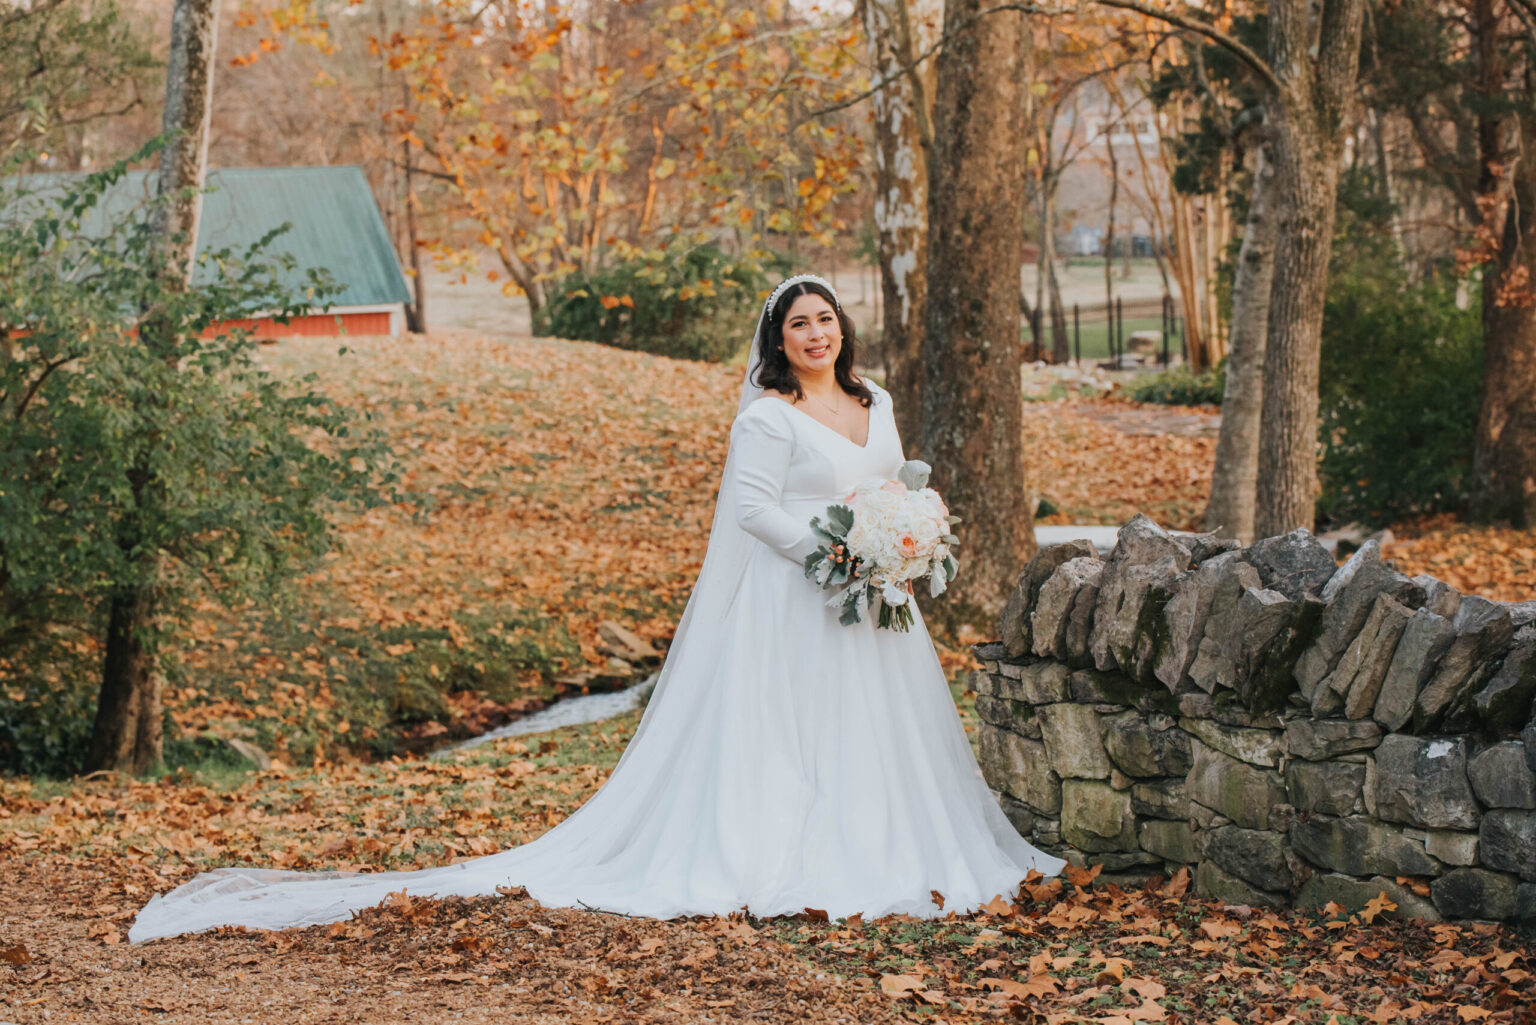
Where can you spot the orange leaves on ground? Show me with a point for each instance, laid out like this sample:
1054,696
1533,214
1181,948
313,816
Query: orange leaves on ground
1081,457
998,906
390,815
548,486
1496,562
1178,958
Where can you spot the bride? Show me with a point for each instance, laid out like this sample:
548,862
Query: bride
784,761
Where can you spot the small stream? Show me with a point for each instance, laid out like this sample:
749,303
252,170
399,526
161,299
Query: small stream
566,712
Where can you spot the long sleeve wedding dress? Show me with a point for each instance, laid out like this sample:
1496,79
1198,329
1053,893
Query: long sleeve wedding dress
784,762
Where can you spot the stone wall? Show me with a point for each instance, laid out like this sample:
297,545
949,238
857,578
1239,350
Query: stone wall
1297,731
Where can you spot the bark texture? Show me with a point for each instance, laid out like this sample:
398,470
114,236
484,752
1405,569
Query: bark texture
1234,479
1307,113
1504,454
188,103
127,734
903,132
972,406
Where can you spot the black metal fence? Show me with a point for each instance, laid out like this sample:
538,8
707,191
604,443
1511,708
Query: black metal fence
1107,321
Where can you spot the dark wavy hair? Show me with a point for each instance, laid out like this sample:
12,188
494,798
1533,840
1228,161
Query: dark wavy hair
775,371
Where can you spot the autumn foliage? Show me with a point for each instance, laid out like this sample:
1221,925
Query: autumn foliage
566,141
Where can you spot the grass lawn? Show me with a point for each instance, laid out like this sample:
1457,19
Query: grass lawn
1094,336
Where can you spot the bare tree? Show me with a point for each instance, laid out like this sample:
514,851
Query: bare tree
1307,111
903,133
1234,479
1308,82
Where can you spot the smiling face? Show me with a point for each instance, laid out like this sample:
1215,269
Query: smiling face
812,335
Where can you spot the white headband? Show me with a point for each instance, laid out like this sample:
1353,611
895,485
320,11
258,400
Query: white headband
773,297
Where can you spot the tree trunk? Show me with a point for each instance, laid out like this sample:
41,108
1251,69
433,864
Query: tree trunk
416,311
1306,182
902,136
1061,345
1307,117
1109,240
188,103
127,713
127,734
1504,449
1060,349
1235,478
972,386
1504,454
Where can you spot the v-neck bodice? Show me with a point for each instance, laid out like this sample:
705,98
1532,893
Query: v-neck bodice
821,464
869,429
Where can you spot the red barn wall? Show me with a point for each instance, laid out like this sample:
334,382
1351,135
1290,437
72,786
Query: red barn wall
323,325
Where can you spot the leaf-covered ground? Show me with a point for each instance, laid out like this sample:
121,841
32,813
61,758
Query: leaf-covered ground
550,486
81,858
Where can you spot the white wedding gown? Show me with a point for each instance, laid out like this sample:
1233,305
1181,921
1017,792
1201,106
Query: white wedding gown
785,761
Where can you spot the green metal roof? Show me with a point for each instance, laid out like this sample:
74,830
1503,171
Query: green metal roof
333,221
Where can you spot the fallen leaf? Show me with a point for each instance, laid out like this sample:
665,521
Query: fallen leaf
998,906
898,986
1219,929
1156,941
1376,906
1147,989
1081,876
1178,885
106,932
1037,986
1150,1010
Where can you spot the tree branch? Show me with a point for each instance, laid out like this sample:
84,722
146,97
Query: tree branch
1227,42
938,44
26,399
23,13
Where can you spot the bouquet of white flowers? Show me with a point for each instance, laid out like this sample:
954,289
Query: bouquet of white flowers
888,534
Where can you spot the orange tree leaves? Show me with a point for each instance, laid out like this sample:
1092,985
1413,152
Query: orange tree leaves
564,141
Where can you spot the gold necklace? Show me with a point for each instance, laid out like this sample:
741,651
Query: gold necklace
835,411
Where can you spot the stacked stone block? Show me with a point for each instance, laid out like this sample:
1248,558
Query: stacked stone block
1295,730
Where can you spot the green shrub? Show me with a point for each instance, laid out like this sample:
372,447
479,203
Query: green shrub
694,303
143,446
1181,386
1400,380
46,714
